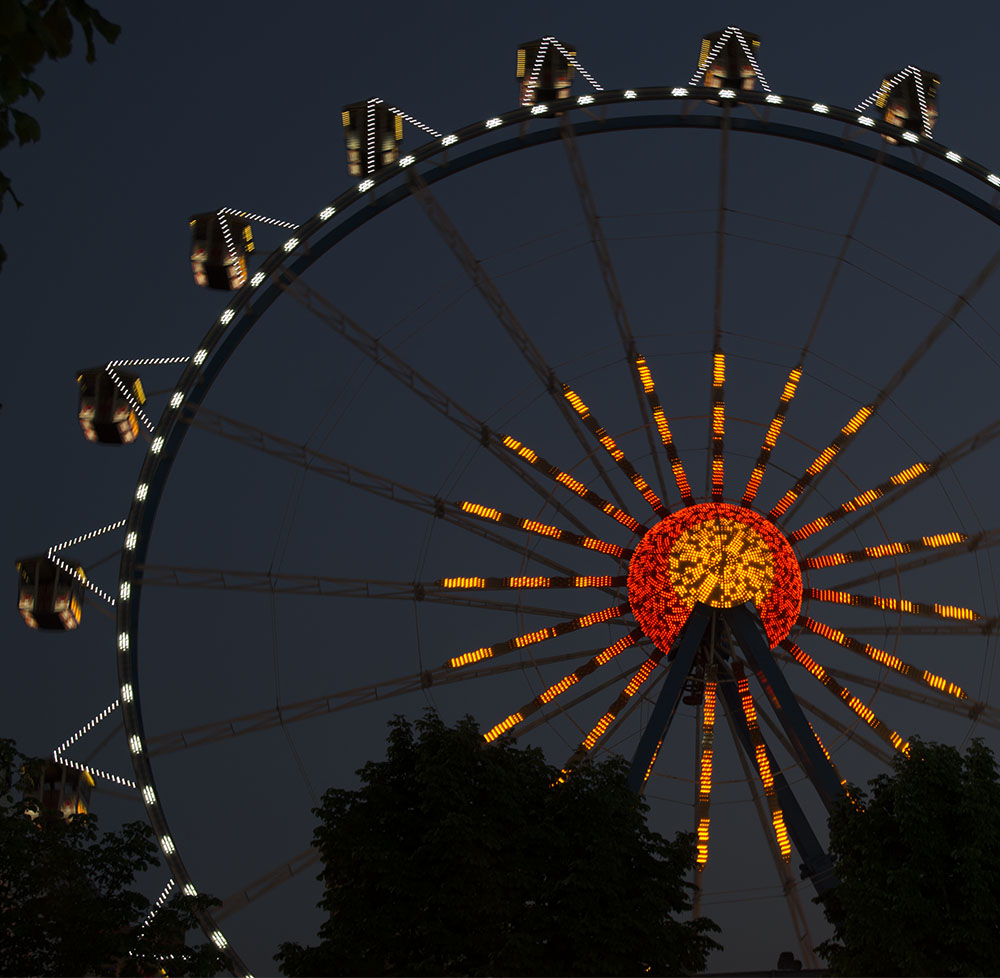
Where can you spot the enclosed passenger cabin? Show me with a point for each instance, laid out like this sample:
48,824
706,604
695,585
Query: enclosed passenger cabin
909,102
107,414
63,790
728,66
372,134
49,596
220,244
548,81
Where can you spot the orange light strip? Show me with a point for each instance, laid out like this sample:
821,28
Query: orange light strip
544,530
764,767
885,550
718,423
664,428
818,672
574,485
891,604
565,683
615,452
860,501
884,658
771,438
822,460
705,773
541,635
513,583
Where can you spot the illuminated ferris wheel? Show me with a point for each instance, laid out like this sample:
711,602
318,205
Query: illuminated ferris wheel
576,579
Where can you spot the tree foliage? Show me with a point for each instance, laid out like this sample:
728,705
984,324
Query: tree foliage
455,857
30,32
918,868
68,905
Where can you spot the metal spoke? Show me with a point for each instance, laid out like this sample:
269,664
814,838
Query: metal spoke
717,406
851,734
264,884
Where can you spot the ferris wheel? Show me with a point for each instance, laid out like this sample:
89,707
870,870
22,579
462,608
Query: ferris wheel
652,506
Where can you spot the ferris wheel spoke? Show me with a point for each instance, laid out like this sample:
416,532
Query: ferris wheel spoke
987,626
646,377
569,680
893,604
504,314
851,734
610,446
603,254
402,371
883,658
884,550
244,896
944,461
706,753
771,436
813,475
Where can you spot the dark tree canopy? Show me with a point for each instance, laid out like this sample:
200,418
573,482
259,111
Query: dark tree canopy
456,857
918,864
30,32
68,902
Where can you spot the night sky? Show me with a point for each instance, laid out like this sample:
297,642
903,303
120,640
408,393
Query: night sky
201,106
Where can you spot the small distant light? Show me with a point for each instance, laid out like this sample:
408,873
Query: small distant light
585,100
189,890
141,491
127,693
176,399
994,179
148,795
729,93
135,744
291,244
539,109
365,185
773,99
629,93
820,107
325,215
407,160
257,279
866,120
123,642
167,845
227,317
493,123
218,940
953,156
125,590
130,541
678,92
911,137
199,357
449,140
157,445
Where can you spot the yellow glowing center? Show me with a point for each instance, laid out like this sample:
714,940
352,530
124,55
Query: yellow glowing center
721,563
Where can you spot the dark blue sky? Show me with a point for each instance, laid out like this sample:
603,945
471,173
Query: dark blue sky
195,109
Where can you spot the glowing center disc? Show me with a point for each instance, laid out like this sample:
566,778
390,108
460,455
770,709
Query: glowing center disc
718,555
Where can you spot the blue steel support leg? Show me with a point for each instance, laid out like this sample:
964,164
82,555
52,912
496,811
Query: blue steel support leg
808,752
816,863
681,660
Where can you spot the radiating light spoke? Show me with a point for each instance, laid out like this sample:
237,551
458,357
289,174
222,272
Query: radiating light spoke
883,658
718,423
891,604
705,766
516,583
771,437
885,550
664,429
615,452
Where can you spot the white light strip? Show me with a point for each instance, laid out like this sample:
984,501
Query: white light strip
370,159
86,728
712,55
93,771
536,68
925,119
129,396
576,64
160,900
414,122
147,362
59,562
752,60
86,536
229,238
887,86
259,218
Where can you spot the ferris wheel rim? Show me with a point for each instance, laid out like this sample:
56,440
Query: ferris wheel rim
247,306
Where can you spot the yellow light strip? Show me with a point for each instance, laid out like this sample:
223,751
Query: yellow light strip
718,423
516,583
615,452
884,658
885,550
545,530
574,485
705,772
860,501
664,429
822,460
892,604
818,672
540,635
771,438
764,767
